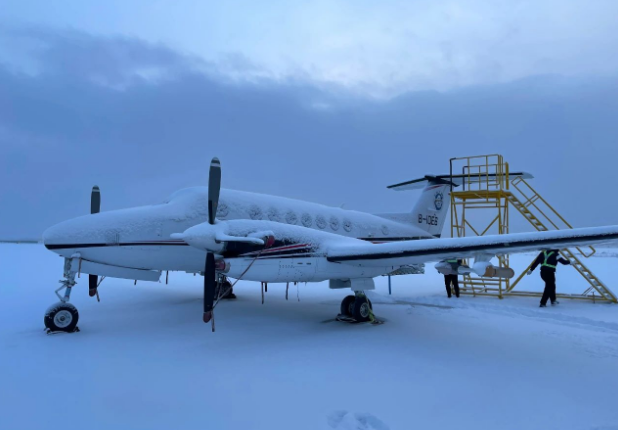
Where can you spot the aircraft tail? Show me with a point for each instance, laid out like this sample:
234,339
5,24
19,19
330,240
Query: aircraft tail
431,209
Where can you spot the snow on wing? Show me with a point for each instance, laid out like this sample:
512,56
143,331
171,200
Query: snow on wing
412,251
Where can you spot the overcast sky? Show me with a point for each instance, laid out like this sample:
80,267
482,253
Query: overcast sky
328,101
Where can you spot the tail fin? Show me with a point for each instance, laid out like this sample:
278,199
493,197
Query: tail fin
431,208
430,211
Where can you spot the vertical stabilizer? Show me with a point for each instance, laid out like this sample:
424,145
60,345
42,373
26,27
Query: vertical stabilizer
430,211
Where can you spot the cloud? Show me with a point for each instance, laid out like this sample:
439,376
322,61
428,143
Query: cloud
380,49
115,61
140,139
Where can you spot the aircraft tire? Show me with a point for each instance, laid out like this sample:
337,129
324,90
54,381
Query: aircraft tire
61,317
347,306
227,286
362,309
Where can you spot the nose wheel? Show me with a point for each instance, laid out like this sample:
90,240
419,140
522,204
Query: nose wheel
61,317
357,307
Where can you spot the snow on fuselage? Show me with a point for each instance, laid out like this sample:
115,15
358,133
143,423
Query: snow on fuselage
141,237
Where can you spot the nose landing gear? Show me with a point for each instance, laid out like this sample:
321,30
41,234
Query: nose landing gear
63,316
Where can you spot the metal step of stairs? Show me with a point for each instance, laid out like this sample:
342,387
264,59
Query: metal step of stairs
595,282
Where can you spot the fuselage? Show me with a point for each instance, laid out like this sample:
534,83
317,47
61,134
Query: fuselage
140,237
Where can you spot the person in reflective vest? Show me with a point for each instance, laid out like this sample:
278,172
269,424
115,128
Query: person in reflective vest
548,260
452,278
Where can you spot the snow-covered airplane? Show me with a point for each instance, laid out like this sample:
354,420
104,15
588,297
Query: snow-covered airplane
224,233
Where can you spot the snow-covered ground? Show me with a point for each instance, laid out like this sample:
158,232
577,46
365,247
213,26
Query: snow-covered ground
144,359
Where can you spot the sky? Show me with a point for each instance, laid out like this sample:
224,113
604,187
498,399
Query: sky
326,101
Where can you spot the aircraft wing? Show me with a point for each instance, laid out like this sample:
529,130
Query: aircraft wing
21,241
413,251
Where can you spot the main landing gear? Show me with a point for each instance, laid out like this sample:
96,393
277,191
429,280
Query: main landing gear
356,308
63,316
224,289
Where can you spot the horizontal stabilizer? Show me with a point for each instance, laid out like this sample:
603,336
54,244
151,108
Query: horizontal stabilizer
455,180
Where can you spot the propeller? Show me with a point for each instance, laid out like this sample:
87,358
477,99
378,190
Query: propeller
95,208
210,274
214,187
214,237
210,285
95,200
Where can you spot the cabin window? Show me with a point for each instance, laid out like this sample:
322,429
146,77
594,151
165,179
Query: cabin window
306,220
385,230
255,212
273,215
334,223
291,217
347,225
320,221
222,210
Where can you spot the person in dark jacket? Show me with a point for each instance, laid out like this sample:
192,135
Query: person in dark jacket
548,260
452,278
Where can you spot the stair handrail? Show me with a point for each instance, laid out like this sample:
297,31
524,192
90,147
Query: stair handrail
518,180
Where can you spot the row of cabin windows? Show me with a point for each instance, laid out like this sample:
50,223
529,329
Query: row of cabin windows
290,217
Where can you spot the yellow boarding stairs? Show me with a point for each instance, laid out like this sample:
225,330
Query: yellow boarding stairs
532,199
486,185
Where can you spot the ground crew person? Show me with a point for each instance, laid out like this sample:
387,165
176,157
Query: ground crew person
548,260
452,278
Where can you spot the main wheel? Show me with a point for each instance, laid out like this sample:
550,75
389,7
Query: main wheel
61,317
362,309
226,291
347,306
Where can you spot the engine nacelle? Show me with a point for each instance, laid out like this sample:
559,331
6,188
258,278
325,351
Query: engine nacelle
446,268
202,238
222,266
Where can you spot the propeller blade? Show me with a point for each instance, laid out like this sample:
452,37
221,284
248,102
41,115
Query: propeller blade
92,285
214,186
95,200
210,284
95,208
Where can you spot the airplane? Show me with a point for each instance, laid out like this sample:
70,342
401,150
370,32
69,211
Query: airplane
221,233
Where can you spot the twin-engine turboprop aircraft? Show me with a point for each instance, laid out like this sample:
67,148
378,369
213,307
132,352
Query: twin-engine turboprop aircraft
224,233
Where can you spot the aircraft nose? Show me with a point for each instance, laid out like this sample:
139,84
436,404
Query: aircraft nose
57,236
70,234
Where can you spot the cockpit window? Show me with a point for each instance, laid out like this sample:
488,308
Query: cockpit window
188,193
180,193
